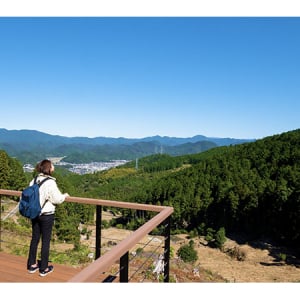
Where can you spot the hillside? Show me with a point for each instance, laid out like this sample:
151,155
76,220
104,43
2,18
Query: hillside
259,265
251,188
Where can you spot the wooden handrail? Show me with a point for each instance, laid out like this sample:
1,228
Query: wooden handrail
111,203
100,265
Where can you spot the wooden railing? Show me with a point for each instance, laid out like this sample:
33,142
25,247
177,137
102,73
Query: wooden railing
121,250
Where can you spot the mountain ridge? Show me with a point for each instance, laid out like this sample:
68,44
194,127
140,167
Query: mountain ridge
32,145
168,140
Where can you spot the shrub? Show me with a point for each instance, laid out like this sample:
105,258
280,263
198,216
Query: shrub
201,229
119,226
210,233
282,256
220,238
105,224
193,233
139,251
187,253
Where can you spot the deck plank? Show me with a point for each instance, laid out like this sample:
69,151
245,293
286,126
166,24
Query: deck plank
13,269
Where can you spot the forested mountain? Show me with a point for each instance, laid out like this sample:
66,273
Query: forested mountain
30,146
251,188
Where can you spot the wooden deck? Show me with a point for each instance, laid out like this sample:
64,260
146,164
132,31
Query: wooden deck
13,269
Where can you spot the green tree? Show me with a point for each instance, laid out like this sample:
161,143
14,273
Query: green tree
220,238
4,170
16,179
187,253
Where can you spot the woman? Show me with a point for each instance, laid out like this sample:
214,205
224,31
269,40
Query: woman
50,196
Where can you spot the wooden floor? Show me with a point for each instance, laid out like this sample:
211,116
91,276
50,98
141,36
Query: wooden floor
13,269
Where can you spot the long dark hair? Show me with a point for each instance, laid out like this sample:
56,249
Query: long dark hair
44,167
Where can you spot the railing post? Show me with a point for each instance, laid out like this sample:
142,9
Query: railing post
124,261
167,234
98,231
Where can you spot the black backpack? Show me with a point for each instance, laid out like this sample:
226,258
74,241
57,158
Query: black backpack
29,205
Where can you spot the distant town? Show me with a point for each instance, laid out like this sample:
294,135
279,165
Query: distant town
87,168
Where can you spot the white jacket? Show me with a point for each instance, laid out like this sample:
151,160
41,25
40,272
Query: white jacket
49,191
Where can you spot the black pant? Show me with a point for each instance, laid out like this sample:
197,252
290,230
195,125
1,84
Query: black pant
41,227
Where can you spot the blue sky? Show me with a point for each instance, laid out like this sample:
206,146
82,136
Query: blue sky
134,77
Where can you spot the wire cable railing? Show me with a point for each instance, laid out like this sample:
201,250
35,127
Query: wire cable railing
141,267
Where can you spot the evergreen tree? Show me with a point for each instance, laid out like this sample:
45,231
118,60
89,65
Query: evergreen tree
4,170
